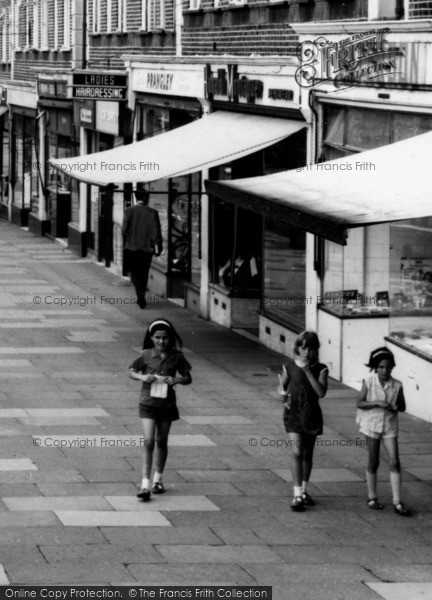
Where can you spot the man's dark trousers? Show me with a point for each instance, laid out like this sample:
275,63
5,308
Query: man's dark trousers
139,263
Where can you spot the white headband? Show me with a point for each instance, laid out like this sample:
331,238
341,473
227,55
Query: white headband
161,322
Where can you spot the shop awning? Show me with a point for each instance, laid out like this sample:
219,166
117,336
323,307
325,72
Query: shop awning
3,110
212,140
390,183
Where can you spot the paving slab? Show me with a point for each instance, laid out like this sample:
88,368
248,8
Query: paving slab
402,591
200,574
137,536
53,503
17,464
97,518
162,503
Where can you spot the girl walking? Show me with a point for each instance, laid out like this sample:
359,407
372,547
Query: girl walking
302,383
380,400
160,366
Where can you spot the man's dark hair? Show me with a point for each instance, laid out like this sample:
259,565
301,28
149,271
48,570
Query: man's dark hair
142,196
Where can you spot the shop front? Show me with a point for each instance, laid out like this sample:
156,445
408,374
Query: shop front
52,210
166,96
367,264
23,176
4,153
104,122
255,262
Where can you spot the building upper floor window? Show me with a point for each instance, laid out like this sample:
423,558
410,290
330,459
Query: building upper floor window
96,16
155,14
5,38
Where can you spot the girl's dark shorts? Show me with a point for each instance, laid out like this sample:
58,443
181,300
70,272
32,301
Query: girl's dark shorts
159,413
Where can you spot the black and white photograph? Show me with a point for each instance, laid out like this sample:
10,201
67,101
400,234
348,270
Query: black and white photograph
216,299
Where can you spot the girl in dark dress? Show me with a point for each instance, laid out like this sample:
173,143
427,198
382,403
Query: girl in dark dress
302,383
160,366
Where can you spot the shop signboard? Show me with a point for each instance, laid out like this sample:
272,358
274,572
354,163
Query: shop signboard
100,86
237,84
107,117
168,81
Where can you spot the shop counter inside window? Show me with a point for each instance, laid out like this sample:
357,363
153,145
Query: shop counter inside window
352,304
411,284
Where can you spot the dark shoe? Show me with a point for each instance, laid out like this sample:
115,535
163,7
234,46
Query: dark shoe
144,494
297,504
374,504
307,500
157,488
141,301
402,510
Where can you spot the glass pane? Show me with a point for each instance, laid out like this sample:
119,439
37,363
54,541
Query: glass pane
368,128
411,283
285,275
195,241
179,255
159,200
406,126
334,125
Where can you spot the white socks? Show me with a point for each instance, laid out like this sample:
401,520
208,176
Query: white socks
304,487
145,484
371,479
395,480
297,491
157,478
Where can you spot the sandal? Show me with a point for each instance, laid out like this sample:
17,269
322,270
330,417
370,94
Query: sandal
297,504
374,504
402,510
144,494
307,499
158,488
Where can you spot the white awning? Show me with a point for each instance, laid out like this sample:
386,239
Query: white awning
3,109
390,183
212,140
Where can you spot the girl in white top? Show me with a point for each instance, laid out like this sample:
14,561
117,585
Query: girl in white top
380,400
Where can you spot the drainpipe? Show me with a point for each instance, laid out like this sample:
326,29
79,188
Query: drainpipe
178,26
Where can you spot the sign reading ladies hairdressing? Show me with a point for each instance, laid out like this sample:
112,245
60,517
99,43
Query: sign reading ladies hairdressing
100,86
249,84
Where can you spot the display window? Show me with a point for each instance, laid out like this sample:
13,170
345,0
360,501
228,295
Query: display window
236,250
355,280
284,296
411,283
4,159
25,176
177,201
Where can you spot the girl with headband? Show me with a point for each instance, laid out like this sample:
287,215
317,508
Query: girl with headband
380,400
160,366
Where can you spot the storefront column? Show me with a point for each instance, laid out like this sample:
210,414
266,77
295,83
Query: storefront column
82,224
42,213
205,237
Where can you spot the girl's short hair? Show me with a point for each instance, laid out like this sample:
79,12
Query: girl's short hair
175,341
307,338
376,356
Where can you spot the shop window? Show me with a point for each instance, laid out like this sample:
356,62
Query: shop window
237,250
411,283
285,274
4,160
355,281
25,176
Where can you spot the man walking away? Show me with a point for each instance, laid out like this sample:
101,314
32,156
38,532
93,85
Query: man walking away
142,239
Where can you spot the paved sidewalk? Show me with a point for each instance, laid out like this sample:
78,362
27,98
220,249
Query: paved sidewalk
70,456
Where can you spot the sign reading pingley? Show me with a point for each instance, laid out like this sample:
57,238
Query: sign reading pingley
99,86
